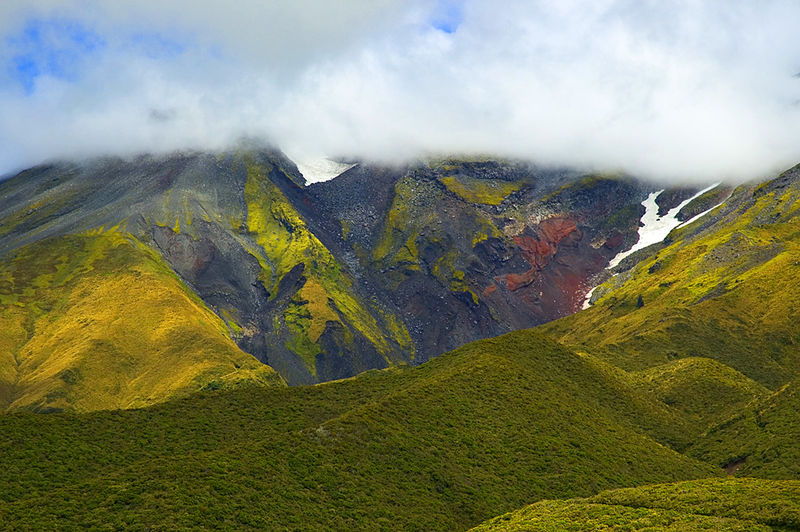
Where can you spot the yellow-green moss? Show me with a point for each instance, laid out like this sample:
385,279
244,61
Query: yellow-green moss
397,244
483,191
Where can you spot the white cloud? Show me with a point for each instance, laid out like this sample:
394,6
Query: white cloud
682,90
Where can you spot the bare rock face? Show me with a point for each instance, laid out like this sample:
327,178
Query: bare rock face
379,266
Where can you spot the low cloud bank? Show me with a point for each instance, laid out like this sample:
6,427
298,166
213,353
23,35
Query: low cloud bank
689,91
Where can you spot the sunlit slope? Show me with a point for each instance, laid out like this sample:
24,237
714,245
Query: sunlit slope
471,434
710,504
98,321
728,292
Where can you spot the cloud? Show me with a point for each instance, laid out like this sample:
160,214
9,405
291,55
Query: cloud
682,90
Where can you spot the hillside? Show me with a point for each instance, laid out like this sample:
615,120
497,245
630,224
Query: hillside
712,504
759,440
99,321
723,288
446,445
146,341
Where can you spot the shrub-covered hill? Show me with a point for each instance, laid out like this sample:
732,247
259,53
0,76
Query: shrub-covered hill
709,504
725,287
99,321
704,390
474,433
716,325
762,439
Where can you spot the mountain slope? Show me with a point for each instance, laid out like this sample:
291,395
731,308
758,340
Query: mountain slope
760,440
703,389
723,288
377,267
99,321
445,445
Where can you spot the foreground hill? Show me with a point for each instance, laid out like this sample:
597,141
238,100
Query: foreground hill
471,434
712,504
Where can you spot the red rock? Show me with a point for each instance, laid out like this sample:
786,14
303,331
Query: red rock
538,251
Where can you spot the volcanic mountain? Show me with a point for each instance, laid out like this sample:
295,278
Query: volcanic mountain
377,267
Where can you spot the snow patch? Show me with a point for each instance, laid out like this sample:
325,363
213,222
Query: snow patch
316,170
655,228
587,301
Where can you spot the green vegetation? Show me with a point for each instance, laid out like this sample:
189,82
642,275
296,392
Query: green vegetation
99,321
761,440
471,434
404,222
421,217
701,388
709,504
484,191
686,367
716,339
327,296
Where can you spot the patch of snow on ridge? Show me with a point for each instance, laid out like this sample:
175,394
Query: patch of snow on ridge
321,169
587,302
655,228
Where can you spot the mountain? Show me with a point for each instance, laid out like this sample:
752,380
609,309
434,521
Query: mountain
378,267
442,446
98,320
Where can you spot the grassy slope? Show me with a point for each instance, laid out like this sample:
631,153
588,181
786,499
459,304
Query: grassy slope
709,504
471,434
701,388
98,321
765,435
729,293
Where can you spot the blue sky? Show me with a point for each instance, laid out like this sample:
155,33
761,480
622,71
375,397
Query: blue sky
447,15
682,90
50,47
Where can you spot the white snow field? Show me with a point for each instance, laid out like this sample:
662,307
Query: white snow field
318,169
